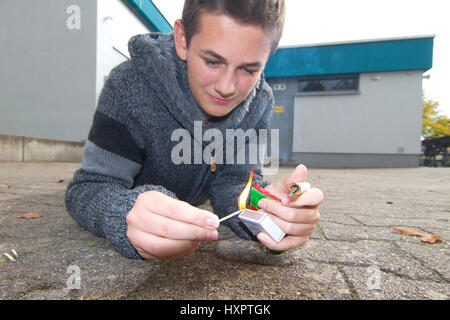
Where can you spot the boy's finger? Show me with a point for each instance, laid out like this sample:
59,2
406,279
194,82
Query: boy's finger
311,198
150,246
281,187
294,229
299,174
174,229
179,210
288,242
292,213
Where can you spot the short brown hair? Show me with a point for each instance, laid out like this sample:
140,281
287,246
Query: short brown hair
267,14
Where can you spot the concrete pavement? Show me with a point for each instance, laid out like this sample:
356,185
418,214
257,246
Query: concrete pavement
353,254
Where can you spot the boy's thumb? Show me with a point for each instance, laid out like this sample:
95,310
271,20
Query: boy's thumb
298,175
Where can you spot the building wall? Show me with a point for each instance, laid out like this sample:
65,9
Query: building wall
54,59
116,24
385,118
380,126
47,58
284,91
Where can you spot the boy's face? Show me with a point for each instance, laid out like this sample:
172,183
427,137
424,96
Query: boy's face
224,61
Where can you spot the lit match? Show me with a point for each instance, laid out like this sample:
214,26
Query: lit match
242,199
256,221
230,216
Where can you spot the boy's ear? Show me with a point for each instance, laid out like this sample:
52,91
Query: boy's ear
180,39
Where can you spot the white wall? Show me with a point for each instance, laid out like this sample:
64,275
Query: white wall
47,68
116,24
52,69
385,118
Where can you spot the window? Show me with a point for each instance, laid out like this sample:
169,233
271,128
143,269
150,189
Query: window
341,84
279,87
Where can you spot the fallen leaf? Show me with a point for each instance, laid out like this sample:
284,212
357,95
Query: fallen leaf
409,232
29,215
431,238
60,181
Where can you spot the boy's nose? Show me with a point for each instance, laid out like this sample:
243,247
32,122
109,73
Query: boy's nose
225,85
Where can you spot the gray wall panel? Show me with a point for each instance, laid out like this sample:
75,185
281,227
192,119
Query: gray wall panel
47,78
385,118
336,160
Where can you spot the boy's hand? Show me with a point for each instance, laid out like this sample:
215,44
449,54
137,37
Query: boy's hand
163,228
298,218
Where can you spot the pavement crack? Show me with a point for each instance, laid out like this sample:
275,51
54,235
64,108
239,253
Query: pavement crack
422,263
352,217
320,229
353,293
39,286
340,264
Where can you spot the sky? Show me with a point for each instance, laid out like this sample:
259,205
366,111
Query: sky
324,21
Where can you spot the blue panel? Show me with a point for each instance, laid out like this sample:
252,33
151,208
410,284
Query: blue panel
150,14
376,56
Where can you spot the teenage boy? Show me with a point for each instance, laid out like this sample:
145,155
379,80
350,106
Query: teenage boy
208,71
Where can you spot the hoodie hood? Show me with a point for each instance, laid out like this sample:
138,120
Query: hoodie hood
154,55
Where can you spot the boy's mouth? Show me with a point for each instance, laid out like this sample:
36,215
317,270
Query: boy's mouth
219,100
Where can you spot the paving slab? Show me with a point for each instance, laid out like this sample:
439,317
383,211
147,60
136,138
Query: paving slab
354,253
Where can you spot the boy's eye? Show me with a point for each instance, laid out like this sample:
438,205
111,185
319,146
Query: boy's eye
248,71
211,62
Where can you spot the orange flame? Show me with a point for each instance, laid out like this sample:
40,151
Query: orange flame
244,195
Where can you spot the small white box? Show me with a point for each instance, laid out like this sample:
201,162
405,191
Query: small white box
257,222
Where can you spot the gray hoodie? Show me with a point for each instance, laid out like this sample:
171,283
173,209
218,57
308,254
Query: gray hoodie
129,148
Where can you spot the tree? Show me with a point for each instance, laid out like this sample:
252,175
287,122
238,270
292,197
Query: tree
434,125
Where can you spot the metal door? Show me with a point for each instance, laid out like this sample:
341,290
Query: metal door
282,119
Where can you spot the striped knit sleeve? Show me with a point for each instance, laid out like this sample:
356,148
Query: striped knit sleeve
101,193
111,150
